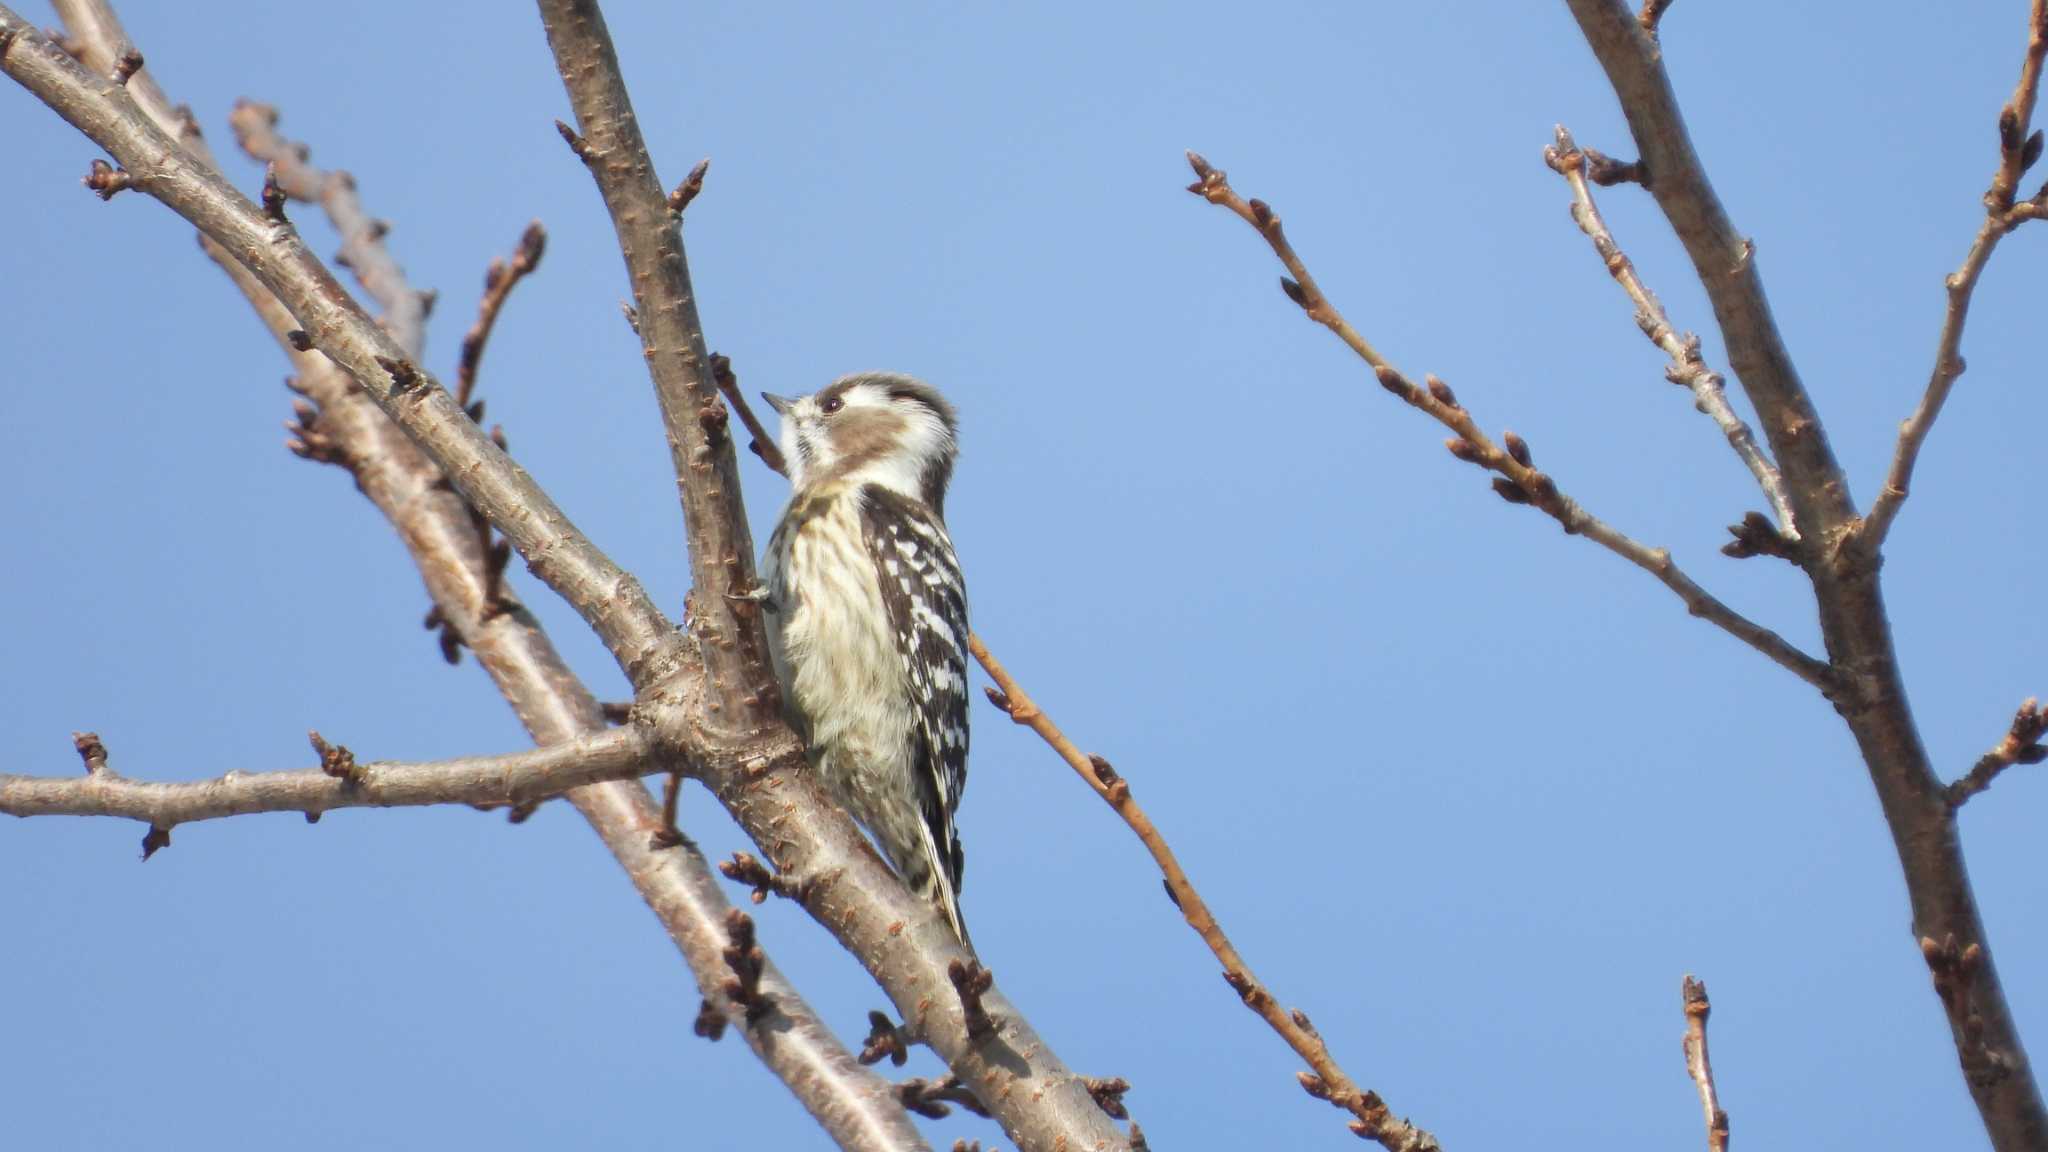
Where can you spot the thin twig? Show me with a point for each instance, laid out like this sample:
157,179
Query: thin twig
1520,482
2021,744
763,441
1652,15
2018,150
886,1040
687,191
363,250
1688,367
616,606
341,782
499,280
105,180
1373,1119
1699,1067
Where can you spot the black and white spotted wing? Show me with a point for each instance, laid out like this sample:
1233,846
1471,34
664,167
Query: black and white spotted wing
927,604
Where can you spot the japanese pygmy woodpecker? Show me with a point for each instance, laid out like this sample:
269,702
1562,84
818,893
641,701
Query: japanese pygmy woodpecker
867,620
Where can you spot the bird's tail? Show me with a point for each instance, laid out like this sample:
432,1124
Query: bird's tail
939,887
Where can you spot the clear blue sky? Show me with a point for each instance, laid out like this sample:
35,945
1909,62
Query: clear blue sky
1505,790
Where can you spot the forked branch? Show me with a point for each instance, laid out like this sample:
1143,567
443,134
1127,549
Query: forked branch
2018,149
2021,744
1688,367
1327,1080
853,1105
1519,481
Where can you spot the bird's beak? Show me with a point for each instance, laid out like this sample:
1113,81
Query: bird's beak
781,404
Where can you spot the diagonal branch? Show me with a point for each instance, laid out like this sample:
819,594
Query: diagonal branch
1724,261
1520,482
1842,561
1688,368
499,280
362,248
615,754
854,1106
611,601
1328,1081
2018,150
672,339
762,442
761,777
900,939
2021,744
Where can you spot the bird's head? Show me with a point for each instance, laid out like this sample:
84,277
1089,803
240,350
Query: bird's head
872,428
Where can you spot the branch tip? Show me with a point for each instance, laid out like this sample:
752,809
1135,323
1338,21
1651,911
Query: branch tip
106,181
885,1041
90,750
273,196
2021,744
687,190
932,1098
126,66
1652,14
1757,536
335,759
1109,1094
745,869
710,1022
499,279
1291,1026
404,377
746,961
971,980
576,143
1698,1066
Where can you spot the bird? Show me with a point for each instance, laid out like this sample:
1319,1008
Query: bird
866,612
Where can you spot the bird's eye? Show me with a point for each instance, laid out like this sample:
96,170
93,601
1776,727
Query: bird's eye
831,405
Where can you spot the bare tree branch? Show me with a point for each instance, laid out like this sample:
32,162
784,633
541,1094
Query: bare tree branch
1842,561
856,1107
2018,150
612,602
1724,261
763,442
1328,1081
1699,1067
733,644
499,280
2021,744
614,754
1652,15
1520,482
362,249
900,939
760,777
1688,368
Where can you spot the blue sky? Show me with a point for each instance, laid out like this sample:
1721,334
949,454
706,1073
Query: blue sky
1500,790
